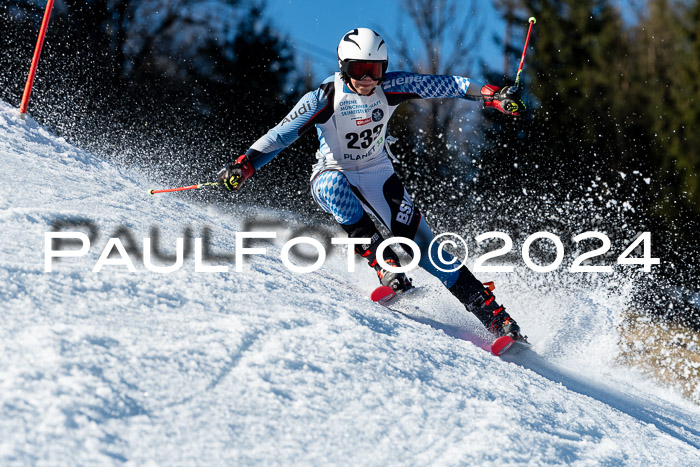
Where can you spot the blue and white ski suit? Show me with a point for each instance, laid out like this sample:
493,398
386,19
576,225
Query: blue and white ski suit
353,173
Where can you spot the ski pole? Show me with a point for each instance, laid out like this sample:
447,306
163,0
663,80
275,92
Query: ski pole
35,60
532,21
183,188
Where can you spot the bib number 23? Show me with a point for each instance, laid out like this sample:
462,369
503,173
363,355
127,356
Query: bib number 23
364,138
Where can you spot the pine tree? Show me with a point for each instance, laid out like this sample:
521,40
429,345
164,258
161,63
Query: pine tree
669,45
614,120
575,84
688,98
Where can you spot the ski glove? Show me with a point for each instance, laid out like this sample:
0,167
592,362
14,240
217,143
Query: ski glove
506,100
233,175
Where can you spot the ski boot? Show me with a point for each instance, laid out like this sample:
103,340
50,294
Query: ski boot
478,299
396,280
494,316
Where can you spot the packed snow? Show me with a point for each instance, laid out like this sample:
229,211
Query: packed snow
269,367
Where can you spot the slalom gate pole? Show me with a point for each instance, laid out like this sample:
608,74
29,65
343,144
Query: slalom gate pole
35,60
183,188
532,21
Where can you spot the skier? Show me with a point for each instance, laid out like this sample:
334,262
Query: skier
354,175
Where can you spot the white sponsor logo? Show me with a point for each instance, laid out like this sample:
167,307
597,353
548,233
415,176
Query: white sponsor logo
405,213
404,80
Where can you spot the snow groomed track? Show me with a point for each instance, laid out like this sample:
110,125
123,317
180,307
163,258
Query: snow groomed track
269,367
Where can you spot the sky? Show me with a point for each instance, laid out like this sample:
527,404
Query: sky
316,26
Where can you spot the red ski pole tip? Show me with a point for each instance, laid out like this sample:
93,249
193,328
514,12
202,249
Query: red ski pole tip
150,191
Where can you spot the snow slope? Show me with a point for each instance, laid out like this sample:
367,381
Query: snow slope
268,367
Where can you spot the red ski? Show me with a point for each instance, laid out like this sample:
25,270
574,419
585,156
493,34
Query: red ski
501,345
505,344
385,295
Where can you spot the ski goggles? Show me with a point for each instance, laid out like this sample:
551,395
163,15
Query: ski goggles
358,70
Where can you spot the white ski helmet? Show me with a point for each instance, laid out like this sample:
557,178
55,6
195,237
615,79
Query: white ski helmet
362,52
